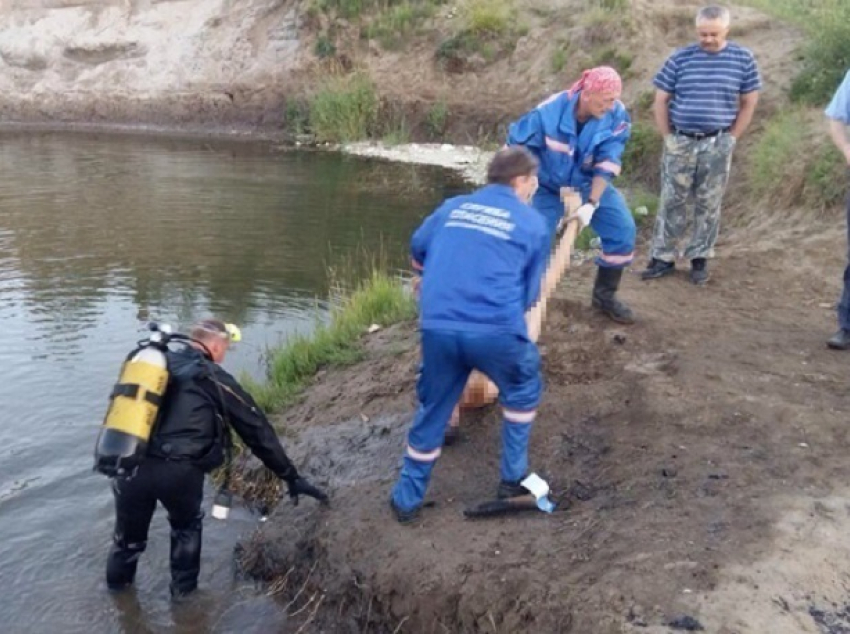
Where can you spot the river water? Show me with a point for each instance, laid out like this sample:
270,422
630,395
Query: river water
99,235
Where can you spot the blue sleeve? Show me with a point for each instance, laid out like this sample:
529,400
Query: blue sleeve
839,107
536,268
752,79
528,132
423,236
666,78
609,153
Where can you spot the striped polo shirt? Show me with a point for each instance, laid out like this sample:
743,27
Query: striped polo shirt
706,86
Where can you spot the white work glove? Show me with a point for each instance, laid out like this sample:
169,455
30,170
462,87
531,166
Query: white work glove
584,214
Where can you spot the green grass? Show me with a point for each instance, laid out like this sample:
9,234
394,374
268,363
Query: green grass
437,119
615,6
826,54
296,116
641,159
397,131
488,17
559,59
344,109
489,28
396,23
324,47
794,165
611,56
642,200
639,200
380,299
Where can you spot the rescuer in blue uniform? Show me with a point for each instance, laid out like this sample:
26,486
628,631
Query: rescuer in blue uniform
579,136
482,257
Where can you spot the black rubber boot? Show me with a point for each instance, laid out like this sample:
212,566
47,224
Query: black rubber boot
840,340
510,490
403,517
121,564
185,559
604,291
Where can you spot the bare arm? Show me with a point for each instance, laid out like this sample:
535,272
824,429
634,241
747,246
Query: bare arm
838,133
597,187
661,109
745,114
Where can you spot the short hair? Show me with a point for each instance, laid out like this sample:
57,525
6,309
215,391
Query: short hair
510,163
207,329
714,12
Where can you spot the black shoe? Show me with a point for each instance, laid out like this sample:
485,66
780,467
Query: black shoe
510,490
403,517
840,340
604,291
658,268
699,271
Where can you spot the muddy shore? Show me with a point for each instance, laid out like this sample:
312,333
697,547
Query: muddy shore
703,451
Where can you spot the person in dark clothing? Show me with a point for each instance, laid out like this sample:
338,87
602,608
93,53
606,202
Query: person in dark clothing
188,441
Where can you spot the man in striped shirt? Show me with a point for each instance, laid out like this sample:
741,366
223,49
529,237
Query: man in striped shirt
705,98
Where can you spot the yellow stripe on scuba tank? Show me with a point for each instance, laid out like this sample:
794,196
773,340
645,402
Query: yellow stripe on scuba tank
150,377
132,416
136,416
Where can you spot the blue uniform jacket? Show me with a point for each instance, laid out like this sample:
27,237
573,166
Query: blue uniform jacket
482,257
567,158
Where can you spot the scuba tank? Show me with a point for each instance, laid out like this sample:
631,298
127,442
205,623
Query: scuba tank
134,405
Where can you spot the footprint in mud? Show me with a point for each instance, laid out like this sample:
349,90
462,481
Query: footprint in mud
355,451
655,363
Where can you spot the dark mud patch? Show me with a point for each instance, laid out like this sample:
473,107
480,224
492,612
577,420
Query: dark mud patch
832,620
679,460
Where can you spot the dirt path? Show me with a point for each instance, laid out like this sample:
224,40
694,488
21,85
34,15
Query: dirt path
704,450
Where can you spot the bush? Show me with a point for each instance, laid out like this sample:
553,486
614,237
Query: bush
642,158
488,17
826,55
296,118
610,56
380,299
794,165
437,118
559,59
826,59
393,25
344,110
489,29
324,47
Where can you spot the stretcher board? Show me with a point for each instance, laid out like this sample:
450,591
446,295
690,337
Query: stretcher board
479,390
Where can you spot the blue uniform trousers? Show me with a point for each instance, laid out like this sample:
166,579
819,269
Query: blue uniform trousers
448,357
844,304
612,222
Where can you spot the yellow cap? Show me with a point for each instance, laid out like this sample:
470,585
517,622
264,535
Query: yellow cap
234,332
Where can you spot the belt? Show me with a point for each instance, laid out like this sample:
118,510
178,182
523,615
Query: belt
702,135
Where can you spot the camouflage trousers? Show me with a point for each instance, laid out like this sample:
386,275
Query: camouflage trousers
698,167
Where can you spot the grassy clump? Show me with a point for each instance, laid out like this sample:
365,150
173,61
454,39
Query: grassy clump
392,26
344,109
437,119
380,299
642,157
826,54
612,56
488,28
794,164
488,17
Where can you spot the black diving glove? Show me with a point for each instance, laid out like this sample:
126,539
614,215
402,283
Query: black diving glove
300,486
